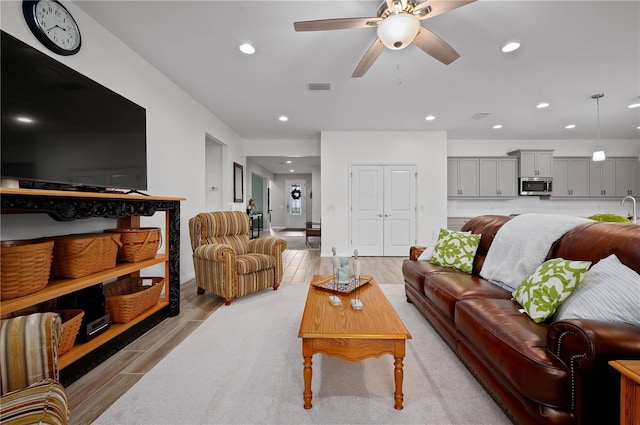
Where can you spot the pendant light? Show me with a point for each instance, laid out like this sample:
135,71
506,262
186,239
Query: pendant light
598,154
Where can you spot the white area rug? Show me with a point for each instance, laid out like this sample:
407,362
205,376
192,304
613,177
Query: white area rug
243,365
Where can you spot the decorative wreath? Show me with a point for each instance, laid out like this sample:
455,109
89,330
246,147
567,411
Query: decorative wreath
296,194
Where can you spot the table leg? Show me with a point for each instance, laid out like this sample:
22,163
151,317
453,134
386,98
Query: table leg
398,375
307,372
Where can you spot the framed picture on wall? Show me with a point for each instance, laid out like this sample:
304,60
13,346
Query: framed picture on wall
238,183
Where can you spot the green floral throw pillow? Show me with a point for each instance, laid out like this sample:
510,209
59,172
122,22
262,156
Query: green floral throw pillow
456,249
542,292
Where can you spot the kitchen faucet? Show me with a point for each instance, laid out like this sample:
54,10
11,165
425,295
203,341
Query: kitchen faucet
633,200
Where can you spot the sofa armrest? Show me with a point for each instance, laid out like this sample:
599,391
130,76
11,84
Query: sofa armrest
269,246
415,251
215,252
29,347
584,343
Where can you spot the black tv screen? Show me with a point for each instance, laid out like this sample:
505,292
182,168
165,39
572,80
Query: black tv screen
60,127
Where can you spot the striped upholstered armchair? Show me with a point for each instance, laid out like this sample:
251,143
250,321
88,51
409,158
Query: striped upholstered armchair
31,393
227,262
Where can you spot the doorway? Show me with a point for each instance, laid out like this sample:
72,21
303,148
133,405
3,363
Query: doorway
383,204
213,174
295,204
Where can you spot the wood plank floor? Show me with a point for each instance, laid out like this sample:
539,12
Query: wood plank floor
96,391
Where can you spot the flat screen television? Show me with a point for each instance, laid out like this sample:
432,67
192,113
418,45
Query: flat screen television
62,130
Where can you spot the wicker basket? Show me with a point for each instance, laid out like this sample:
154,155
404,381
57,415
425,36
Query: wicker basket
81,255
71,321
24,267
138,244
127,298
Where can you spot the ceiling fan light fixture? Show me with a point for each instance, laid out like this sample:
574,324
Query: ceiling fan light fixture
398,30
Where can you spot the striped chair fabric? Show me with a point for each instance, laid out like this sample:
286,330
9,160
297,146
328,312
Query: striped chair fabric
227,262
31,392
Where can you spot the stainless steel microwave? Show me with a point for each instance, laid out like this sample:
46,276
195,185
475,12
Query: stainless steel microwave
536,186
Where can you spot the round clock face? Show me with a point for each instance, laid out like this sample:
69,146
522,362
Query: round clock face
53,25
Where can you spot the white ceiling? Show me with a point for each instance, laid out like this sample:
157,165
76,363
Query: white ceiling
570,51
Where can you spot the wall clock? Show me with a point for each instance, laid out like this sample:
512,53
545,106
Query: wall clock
53,25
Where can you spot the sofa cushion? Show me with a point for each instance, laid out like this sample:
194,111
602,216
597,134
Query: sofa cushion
456,249
548,286
609,291
444,289
414,272
513,347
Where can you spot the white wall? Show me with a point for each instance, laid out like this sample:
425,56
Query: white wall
341,149
524,204
176,129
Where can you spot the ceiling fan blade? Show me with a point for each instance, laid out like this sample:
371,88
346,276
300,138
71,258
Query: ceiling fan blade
368,59
431,8
336,24
435,46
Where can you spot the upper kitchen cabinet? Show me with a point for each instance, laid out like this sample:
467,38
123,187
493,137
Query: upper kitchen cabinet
602,178
571,177
498,177
462,177
627,176
535,163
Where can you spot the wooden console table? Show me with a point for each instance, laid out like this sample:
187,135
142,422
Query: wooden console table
127,209
629,390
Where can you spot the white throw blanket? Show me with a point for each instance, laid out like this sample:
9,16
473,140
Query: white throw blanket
522,244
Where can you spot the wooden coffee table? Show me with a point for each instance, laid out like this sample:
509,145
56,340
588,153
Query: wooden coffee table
354,335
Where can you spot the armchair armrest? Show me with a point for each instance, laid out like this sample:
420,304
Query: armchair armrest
415,251
270,246
29,345
215,252
583,343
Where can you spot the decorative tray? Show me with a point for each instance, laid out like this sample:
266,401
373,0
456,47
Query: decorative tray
329,283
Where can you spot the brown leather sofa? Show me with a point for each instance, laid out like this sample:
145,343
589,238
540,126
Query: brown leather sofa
546,373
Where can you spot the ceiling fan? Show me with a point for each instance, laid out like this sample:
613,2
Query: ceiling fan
398,25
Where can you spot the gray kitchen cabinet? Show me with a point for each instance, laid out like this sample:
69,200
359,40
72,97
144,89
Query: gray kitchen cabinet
498,177
534,163
462,177
602,178
627,176
571,177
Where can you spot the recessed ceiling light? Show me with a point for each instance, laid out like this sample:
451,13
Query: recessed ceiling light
634,105
24,119
497,126
542,105
291,171
570,126
247,49
289,162
510,47
430,118
283,118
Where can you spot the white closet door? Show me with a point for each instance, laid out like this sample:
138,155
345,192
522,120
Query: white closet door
399,210
367,224
383,209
